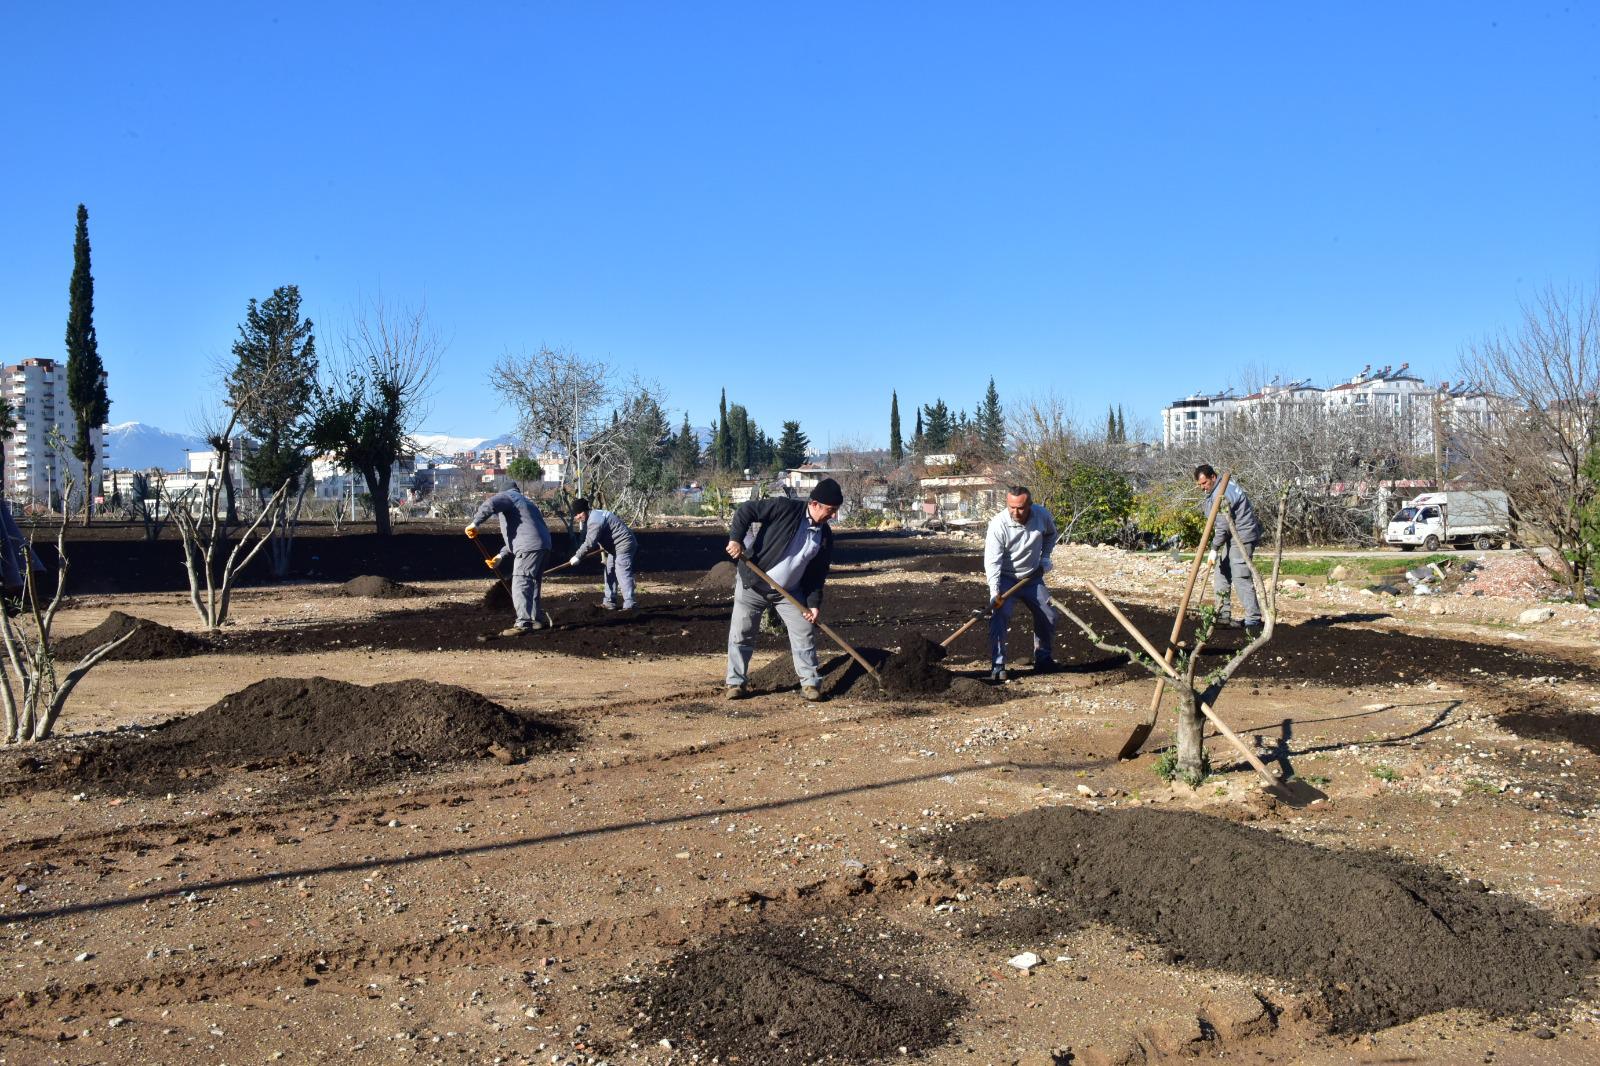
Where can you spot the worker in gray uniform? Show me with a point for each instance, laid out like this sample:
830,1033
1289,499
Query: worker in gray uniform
1017,547
1233,549
605,530
527,542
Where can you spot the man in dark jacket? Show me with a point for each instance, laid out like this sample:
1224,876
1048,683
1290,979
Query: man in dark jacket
527,541
604,530
1233,548
794,546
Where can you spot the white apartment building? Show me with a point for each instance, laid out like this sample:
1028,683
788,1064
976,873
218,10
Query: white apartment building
36,389
1390,392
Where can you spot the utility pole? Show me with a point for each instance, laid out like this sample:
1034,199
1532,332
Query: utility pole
1438,440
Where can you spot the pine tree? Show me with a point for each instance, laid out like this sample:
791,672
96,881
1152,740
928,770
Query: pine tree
792,446
992,424
86,385
686,451
271,387
936,431
897,452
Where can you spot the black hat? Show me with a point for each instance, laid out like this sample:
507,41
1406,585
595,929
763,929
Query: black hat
828,493
580,506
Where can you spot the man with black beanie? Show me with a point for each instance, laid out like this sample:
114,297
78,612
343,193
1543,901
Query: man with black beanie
794,546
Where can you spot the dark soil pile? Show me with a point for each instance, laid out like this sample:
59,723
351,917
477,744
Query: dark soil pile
497,597
843,676
718,579
346,733
1543,722
1382,940
780,996
915,669
369,586
150,640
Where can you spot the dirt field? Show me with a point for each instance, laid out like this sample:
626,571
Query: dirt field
567,848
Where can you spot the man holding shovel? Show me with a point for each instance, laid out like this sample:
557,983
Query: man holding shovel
794,547
1233,546
1017,548
527,541
604,530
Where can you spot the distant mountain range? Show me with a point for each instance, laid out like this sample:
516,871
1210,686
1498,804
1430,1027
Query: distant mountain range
137,446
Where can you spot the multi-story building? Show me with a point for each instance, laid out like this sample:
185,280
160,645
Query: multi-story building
35,473
1404,399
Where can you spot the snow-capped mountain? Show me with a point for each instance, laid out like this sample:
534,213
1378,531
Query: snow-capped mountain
136,446
441,445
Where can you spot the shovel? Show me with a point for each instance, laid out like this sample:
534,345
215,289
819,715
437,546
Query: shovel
489,560
976,615
837,639
568,563
1142,731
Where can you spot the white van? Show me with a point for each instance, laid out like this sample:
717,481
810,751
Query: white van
1477,519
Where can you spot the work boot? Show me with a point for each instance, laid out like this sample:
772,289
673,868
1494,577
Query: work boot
516,631
1043,666
997,674
811,693
735,692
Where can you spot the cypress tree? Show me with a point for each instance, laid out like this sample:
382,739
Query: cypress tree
1122,427
86,386
918,441
897,452
722,446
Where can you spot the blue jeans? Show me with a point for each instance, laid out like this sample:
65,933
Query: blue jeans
1037,599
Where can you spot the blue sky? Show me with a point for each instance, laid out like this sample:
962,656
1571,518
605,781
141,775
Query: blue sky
810,206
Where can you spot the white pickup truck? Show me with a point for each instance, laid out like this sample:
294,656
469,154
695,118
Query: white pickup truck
1478,519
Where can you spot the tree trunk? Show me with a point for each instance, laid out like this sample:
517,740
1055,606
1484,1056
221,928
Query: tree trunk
377,479
88,488
1191,735
232,517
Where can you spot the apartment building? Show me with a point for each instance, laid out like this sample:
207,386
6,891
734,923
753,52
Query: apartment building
1390,392
36,389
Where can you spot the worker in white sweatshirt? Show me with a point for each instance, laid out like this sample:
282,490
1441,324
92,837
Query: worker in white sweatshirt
1017,548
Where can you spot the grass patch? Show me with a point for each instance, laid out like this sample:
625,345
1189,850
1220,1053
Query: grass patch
1386,774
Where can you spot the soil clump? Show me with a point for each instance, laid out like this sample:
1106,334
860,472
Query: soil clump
840,675
915,669
719,578
346,734
150,640
372,587
1538,721
1379,939
785,995
497,597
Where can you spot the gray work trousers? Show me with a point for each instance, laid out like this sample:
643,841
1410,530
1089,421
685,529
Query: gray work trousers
748,607
1036,598
1233,573
527,569
619,578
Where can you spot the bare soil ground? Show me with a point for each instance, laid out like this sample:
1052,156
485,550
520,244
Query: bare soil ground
569,849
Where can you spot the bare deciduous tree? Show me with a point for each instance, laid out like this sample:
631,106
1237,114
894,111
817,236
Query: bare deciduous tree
31,713
1545,375
212,565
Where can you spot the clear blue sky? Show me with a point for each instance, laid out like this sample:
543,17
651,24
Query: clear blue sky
811,206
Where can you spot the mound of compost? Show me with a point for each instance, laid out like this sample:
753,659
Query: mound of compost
347,733
718,579
150,640
914,669
780,996
369,586
1380,939
841,675
497,597
1544,722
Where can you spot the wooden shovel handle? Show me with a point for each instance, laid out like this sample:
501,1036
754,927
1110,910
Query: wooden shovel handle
1133,631
490,559
837,639
998,600
1188,588
568,563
